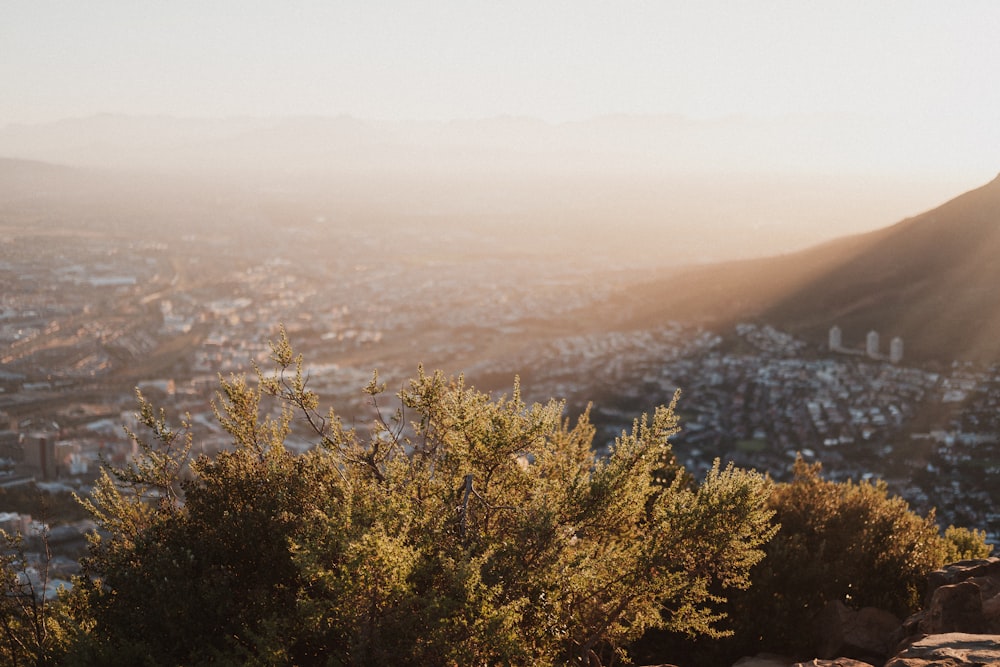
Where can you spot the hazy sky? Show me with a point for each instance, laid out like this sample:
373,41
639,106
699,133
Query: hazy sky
927,71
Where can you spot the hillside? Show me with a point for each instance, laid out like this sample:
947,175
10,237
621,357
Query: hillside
931,279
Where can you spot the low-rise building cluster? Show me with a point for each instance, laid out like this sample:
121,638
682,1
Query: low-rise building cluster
86,322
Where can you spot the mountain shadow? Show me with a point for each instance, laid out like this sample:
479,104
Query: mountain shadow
933,280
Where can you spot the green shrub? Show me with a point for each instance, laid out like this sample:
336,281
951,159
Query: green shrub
852,542
461,530
965,544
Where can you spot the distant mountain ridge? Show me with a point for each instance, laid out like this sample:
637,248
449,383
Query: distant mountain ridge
621,143
651,189
933,280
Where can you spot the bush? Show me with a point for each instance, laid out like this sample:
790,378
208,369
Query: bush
461,530
852,542
965,544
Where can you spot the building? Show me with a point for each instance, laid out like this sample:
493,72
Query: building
10,446
871,344
896,350
40,455
836,337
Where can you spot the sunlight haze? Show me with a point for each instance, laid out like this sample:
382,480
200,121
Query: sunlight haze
365,263
881,109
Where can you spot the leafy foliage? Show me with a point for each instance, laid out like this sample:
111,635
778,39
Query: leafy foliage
965,544
852,542
462,529
34,630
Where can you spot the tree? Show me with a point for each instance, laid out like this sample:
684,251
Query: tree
461,529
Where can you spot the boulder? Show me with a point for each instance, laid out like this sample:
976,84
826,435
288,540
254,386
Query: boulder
864,634
764,660
962,570
954,608
961,597
959,627
954,649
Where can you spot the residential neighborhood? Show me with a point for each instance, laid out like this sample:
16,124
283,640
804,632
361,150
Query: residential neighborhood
88,321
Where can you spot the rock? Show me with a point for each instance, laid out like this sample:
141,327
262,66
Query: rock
867,633
953,573
959,627
954,649
764,660
954,608
961,597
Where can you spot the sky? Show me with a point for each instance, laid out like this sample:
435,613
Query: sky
923,71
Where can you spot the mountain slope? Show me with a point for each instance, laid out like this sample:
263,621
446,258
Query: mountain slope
933,280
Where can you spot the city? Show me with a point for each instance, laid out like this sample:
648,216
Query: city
90,318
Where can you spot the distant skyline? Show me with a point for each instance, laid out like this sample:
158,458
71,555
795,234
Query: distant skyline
921,74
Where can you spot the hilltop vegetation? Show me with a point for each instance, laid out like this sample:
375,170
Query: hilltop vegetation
457,529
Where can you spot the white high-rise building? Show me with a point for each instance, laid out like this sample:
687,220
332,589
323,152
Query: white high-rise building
836,337
896,350
871,344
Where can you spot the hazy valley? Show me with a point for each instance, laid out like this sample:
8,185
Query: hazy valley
665,334
163,277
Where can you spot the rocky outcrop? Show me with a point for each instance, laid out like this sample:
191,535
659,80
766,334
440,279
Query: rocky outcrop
864,634
770,660
765,660
960,624
953,649
961,597
959,627
838,662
